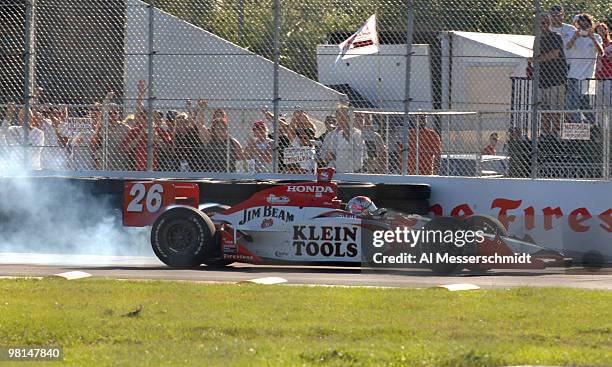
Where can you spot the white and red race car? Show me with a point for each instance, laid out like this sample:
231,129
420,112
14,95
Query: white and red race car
304,223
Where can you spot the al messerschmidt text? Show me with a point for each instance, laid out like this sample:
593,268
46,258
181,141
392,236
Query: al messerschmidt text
428,258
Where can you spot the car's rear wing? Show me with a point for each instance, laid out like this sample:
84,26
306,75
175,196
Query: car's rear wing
144,201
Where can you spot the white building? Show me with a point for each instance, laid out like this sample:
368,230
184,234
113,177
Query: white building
191,63
361,74
477,67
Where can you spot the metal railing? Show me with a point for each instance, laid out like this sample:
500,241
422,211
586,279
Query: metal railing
234,86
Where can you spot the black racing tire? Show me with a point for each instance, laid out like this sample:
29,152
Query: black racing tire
401,191
435,247
420,207
233,190
348,190
485,223
183,237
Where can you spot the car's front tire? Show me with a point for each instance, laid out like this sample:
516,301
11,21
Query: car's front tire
182,237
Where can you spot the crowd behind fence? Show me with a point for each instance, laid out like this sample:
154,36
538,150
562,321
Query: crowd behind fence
210,87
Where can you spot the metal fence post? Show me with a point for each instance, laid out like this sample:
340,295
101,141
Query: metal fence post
535,84
480,145
150,96
105,114
607,120
276,98
240,21
27,77
406,122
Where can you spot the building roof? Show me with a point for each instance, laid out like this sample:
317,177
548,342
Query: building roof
521,45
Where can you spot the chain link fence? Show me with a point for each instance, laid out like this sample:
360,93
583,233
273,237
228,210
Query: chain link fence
242,86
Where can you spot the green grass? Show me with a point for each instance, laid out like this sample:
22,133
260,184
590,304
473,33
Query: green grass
195,324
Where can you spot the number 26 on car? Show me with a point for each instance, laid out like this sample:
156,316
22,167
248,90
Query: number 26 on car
143,201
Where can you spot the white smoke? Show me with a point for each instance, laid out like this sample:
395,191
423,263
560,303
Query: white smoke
61,216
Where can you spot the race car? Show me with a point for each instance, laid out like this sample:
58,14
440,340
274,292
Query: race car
305,223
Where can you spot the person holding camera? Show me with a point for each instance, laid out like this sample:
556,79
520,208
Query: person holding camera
582,50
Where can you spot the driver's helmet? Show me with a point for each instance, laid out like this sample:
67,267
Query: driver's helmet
361,205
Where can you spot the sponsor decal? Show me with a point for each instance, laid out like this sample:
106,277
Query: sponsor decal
273,199
280,254
267,223
325,241
238,257
310,188
266,212
229,249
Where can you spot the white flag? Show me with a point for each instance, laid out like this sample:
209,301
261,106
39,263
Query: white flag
362,42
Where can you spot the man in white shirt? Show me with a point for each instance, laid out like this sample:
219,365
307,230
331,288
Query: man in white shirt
581,50
54,155
35,143
343,148
557,15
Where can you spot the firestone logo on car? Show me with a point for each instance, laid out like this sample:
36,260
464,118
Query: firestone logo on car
315,189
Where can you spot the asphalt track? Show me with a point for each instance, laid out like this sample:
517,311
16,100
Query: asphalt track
149,268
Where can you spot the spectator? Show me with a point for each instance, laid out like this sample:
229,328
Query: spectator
167,158
553,76
302,159
299,121
7,122
343,148
221,150
7,155
330,125
518,150
187,144
82,154
430,149
376,151
490,149
136,140
109,143
283,136
557,15
36,138
259,148
582,50
53,155
603,71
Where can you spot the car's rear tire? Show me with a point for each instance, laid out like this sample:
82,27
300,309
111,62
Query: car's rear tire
439,247
420,207
486,224
395,191
182,237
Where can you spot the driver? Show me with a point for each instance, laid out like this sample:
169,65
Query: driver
362,206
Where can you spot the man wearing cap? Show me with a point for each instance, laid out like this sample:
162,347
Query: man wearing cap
556,23
553,75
